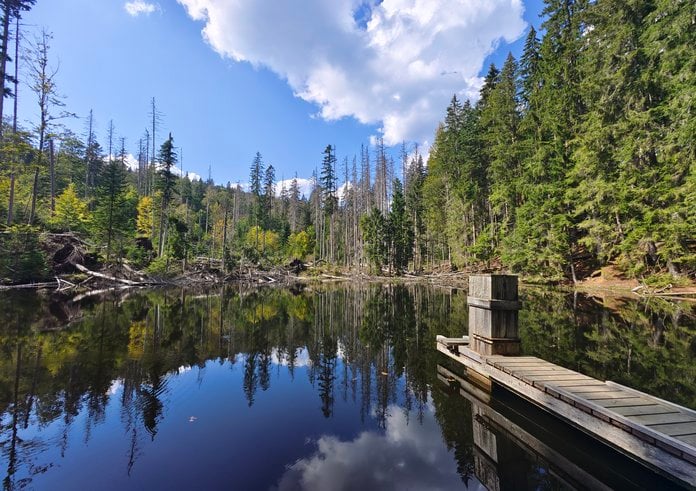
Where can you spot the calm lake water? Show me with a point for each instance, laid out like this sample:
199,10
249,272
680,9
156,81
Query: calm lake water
323,387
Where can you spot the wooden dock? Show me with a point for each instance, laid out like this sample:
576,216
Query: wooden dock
657,433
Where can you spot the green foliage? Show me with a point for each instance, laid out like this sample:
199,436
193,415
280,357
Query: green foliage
145,221
159,267
300,245
115,211
328,181
71,212
375,234
166,180
400,231
21,257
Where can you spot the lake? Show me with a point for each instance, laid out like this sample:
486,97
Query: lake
313,387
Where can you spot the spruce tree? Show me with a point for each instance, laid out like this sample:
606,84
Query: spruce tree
166,185
255,183
400,233
112,215
500,121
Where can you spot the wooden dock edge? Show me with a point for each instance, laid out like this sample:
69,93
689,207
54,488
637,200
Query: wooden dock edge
654,457
666,442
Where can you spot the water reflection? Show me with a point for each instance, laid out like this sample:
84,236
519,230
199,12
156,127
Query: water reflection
283,388
405,456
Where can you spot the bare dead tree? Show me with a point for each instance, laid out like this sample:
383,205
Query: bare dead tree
43,83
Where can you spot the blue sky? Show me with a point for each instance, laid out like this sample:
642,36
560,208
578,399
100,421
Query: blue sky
233,78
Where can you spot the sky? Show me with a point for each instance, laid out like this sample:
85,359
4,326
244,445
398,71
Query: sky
284,78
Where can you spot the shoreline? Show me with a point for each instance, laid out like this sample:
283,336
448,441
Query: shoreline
126,278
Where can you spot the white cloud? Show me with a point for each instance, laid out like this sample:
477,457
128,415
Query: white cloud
305,186
409,455
398,69
140,7
132,164
302,358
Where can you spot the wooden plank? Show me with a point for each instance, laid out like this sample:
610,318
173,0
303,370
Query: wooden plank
523,366
675,429
655,419
538,371
688,439
640,410
513,360
614,394
588,389
645,433
625,401
501,358
561,377
513,370
657,399
528,366
452,341
577,383
500,362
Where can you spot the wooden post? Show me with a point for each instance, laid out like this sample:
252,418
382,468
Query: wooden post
493,307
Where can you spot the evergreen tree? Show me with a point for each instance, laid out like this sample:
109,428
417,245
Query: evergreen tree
166,185
374,230
294,212
268,196
500,121
329,199
255,183
400,232
71,212
328,181
111,216
414,206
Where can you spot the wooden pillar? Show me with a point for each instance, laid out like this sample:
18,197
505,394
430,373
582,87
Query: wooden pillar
493,307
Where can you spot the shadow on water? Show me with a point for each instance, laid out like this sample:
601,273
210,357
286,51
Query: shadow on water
302,388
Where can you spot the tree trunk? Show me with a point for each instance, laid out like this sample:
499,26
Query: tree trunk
3,58
10,204
33,196
16,76
52,162
224,237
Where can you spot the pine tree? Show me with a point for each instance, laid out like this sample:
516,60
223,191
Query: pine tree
414,205
500,121
111,216
255,178
400,232
166,185
71,213
10,9
374,229
294,205
329,199
268,197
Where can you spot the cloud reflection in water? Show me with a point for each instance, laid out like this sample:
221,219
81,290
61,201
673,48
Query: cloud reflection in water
409,455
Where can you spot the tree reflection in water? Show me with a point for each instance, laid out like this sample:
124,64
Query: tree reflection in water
371,345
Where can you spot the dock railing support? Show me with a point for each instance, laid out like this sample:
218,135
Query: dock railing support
493,314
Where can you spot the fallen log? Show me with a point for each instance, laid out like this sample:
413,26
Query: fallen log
92,293
107,277
30,286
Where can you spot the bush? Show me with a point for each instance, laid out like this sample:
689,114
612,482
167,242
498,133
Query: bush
21,258
158,267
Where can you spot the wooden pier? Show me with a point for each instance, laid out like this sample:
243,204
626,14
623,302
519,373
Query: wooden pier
659,434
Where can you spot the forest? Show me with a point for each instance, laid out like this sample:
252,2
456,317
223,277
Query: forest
578,155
